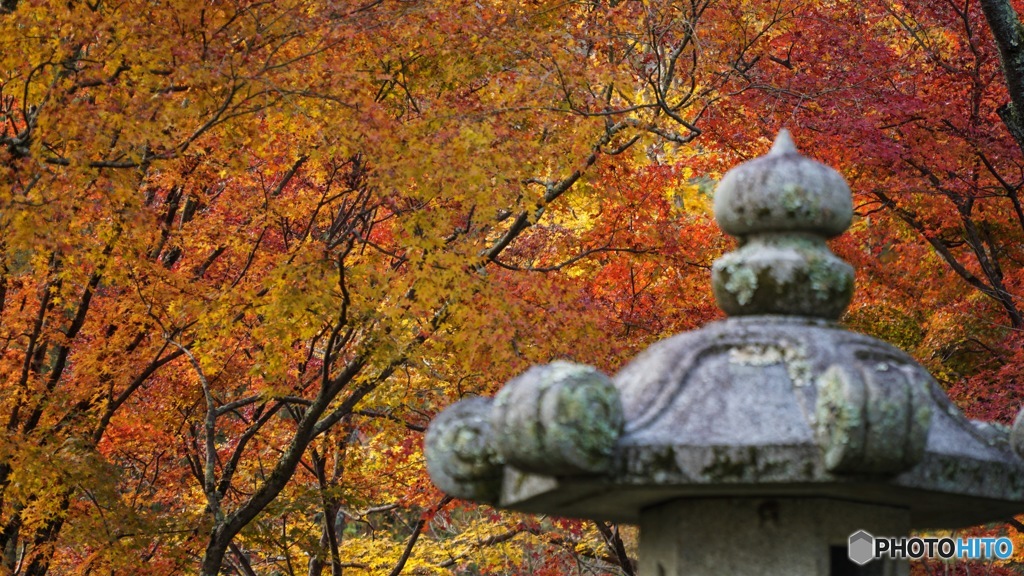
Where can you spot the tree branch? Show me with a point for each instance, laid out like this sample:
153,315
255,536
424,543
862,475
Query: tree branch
416,531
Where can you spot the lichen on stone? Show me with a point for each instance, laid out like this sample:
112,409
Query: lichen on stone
793,199
460,451
829,276
562,418
1017,434
792,355
741,282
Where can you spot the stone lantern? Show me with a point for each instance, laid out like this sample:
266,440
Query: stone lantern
773,442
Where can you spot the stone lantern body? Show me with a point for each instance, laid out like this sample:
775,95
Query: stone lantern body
772,442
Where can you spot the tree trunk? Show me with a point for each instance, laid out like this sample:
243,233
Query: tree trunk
214,556
1006,27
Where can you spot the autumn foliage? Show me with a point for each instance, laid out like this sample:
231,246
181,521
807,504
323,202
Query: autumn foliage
249,248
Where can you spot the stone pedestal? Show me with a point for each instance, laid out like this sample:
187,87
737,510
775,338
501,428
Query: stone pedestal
763,537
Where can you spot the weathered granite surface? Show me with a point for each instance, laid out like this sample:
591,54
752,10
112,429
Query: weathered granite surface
783,191
776,402
783,207
733,536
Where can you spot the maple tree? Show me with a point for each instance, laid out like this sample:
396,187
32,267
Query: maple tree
248,245
249,248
